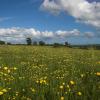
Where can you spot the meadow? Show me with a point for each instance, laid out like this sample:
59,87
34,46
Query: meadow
47,73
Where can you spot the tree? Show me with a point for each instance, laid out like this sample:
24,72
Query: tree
66,44
2,42
56,45
41,43
8,43
29,41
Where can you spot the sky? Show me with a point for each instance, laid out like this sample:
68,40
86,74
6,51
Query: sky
75,21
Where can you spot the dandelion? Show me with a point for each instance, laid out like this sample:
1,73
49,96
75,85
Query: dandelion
5,74
63,83
5,68
37,81
61,87
9,88
32,89
1,93
15,68
62,98
72,82
82,75
44,81
9,71
79,93
4,90
98,73
41,81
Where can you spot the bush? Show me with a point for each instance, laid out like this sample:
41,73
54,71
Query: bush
57,45
41,43
2,42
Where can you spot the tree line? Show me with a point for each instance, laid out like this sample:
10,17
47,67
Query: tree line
29,41
42,43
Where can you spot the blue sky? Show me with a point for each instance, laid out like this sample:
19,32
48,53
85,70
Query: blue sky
35,14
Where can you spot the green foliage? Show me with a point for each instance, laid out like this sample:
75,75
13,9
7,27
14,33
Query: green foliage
41,43
29,41
8,43
2,42
57,45
66,43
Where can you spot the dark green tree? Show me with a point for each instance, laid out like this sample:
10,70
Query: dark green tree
41,43
8,43
66,43
29,41
56,45
2,42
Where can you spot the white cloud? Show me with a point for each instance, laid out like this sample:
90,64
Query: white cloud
19,35
65,34
16,34
82,10
50,6
89,34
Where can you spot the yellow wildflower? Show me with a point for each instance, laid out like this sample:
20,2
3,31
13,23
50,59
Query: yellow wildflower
41,81
62,98
72,82
79,93
63,83
4,90
82,75
5,74
32,89
9,88
98,73
37,81
1,93
61,87
44,81
9,71
15,68
5,68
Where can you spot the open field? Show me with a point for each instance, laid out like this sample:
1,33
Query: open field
47,73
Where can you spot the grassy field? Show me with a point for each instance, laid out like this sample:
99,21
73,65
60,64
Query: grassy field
47,73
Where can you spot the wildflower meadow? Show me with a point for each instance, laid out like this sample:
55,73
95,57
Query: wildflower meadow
48,73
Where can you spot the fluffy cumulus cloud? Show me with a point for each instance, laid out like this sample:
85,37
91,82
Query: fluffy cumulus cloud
19,35
82,10
65,34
